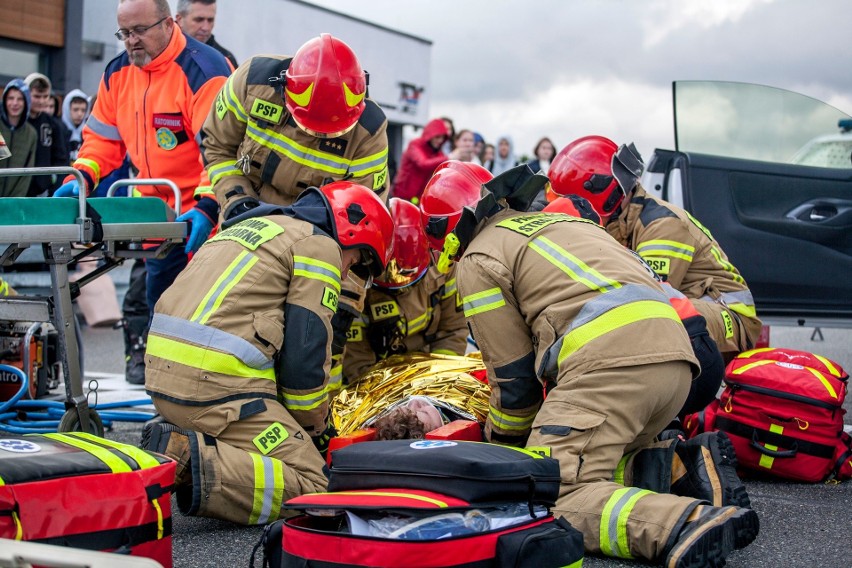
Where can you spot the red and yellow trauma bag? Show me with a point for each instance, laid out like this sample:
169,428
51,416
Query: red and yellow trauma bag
82,491
783,411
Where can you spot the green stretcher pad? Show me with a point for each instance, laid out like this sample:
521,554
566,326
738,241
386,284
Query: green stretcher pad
64,210
55,219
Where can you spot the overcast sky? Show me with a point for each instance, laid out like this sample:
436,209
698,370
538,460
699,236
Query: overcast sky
568,68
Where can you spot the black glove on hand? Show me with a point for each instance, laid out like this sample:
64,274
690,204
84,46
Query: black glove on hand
241,207
321,442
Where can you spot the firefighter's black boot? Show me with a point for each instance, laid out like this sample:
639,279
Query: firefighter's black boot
706,468
135,334
173,442
710,534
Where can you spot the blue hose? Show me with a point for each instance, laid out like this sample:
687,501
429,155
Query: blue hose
42,416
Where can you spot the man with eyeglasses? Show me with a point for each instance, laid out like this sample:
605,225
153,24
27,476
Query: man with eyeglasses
151,103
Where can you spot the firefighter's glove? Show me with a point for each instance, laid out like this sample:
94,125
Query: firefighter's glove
321,442
340,323
242,206
200,226
68,189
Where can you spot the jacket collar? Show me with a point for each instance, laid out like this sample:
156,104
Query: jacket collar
177,43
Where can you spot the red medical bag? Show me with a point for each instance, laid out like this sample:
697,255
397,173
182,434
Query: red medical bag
432,530
783,411
83,491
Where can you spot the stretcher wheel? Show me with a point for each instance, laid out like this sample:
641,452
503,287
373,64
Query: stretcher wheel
70,422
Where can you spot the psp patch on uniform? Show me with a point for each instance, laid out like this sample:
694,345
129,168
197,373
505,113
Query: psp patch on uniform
18,446
380,179
330,298
267,111
729,324
271,438
659,265
355,333
384,310
221,109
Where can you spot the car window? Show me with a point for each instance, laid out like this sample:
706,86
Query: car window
756,122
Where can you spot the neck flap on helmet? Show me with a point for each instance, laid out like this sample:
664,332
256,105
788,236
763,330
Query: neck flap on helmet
627,167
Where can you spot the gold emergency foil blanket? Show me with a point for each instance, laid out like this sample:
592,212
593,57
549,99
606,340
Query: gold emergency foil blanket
443,377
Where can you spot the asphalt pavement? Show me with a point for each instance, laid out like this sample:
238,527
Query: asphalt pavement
802,525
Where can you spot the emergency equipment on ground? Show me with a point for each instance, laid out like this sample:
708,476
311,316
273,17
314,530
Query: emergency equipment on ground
83,491
116,228
420,503
783,411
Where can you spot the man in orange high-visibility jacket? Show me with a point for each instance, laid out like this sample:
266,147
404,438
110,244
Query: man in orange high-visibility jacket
152,101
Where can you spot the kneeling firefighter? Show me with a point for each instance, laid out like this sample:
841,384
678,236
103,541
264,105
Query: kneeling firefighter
553,300
410,307
240,373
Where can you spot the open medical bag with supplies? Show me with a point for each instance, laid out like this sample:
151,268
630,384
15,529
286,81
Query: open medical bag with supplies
82,491
783,411
429,503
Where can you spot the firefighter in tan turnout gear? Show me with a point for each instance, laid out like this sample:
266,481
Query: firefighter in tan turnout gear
553,301
282,124
410,307
675,244
239,351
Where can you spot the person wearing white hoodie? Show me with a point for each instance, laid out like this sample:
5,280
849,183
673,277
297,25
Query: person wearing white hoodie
504,157
75,109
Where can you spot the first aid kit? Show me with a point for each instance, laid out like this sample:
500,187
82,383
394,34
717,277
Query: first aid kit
783,411
82,491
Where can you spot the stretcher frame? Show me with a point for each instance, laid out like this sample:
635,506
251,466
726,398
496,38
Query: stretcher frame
66,243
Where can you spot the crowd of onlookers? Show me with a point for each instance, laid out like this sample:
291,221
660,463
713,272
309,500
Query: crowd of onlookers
440,141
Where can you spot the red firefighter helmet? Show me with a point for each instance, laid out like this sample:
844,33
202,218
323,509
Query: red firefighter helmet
453,186
410,258
573,205
360,221
584,168
325,87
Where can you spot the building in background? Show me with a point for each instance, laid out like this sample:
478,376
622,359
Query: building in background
71,41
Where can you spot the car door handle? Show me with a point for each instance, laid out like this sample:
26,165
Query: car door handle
827,211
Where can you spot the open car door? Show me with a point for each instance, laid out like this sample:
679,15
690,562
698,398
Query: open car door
769,172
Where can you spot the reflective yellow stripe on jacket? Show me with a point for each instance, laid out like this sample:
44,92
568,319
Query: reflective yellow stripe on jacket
315,159
189,343
662,247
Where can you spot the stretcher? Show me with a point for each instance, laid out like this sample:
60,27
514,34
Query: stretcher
107,229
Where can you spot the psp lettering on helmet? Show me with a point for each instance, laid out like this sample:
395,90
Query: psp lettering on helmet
267,111
431,444
271,438
659,265
380,179
329,299
18,446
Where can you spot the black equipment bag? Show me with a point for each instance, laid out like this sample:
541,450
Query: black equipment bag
474,471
